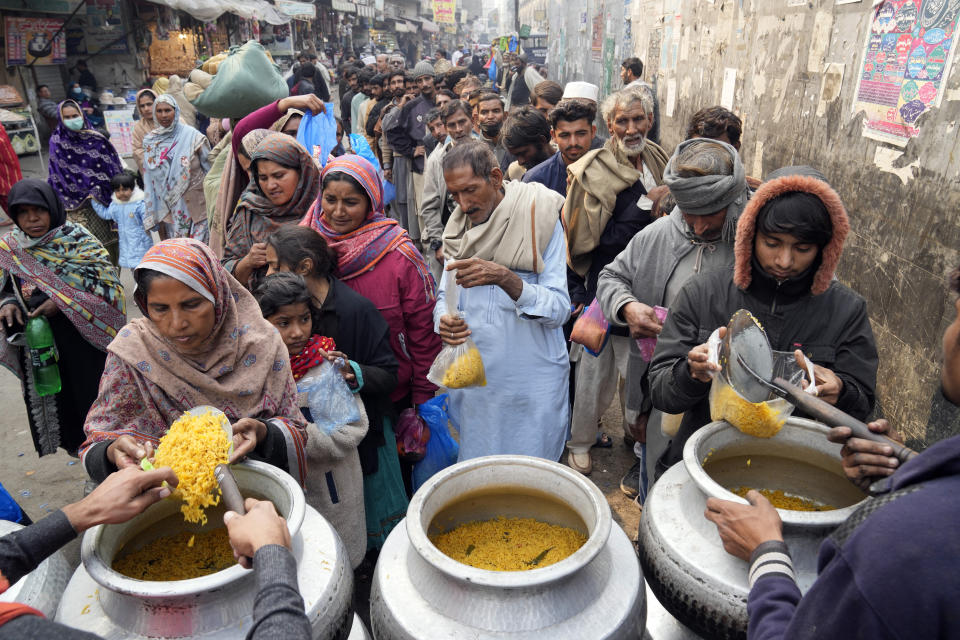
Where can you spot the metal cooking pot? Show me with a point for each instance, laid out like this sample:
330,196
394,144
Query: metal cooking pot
104,602
682,557
421,594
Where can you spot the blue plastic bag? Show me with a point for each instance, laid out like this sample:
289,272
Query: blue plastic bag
318,134
389,192
9,509
442,449
361,147
330,400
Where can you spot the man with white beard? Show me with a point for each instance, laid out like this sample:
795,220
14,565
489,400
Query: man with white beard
606,206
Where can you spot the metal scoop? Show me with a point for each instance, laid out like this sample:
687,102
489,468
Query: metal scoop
820,410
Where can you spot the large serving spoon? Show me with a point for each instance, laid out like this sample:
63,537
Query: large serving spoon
818,409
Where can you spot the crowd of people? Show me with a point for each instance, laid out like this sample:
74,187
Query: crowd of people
254,266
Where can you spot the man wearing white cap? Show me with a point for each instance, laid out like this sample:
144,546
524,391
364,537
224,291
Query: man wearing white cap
606,206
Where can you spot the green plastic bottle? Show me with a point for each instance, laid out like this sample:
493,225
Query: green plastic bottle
43,356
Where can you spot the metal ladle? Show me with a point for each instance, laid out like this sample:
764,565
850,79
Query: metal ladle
817,408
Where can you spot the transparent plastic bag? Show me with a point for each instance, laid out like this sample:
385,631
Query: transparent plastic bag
412,435
460,366
442,449
591,329
331,402
758,419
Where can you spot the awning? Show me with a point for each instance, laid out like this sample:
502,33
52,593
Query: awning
430,26
400,26
366,11
344,6
210,10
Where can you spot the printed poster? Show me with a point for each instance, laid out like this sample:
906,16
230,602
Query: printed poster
906,60
30,39
120,125
104,25
444,11
596,41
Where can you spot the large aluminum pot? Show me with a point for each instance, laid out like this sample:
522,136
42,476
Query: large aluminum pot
104,602
421,594
683,559
42,587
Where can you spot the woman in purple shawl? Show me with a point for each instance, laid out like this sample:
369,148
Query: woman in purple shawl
82,161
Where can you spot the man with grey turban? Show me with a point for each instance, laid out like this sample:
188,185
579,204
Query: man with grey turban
707,179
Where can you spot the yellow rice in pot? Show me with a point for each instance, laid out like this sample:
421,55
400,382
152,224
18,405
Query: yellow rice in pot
509,544
178,557
782,500
193,447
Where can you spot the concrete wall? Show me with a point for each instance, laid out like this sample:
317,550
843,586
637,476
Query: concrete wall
797,110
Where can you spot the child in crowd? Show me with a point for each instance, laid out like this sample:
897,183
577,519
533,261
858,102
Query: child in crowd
334,484
127,210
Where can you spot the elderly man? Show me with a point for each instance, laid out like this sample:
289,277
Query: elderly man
572,130
631,73
707,179
505,248
48,107
435,208
606,206
383,63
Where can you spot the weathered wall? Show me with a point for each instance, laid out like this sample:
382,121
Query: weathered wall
796,110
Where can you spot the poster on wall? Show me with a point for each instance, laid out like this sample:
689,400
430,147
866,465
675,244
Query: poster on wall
596,41
443,11
120,125
906,61
104,27
31,40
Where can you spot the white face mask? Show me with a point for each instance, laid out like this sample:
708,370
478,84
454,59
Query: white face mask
74,124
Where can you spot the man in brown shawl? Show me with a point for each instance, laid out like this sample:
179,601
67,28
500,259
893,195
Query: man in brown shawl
606,206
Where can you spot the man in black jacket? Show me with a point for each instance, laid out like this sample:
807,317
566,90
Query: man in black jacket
406,137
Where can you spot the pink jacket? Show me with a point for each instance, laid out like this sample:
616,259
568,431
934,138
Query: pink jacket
395,287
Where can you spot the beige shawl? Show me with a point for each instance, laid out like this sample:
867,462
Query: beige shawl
593,183
515,235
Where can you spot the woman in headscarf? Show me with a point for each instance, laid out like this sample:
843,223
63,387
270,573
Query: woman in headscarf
282,116
175,162
285,184
143,126
349,214
57,269
82,162
224,190
202,341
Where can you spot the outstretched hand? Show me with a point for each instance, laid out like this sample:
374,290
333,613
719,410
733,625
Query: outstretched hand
743,527
121,496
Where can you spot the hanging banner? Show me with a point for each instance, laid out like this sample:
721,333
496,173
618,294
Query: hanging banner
31,39
444,11
906,61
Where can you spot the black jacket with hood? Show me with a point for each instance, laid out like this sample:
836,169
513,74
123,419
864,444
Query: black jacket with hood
812,312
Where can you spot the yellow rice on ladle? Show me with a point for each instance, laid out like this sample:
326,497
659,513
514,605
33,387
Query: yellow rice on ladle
193,447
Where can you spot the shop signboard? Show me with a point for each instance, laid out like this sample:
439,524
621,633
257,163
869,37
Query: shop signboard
298,10
444,11
31,41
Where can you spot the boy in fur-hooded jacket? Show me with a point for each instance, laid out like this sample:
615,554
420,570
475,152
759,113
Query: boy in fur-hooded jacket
789,241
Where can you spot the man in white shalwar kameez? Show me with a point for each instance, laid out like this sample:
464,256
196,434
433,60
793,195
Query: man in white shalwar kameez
505,247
